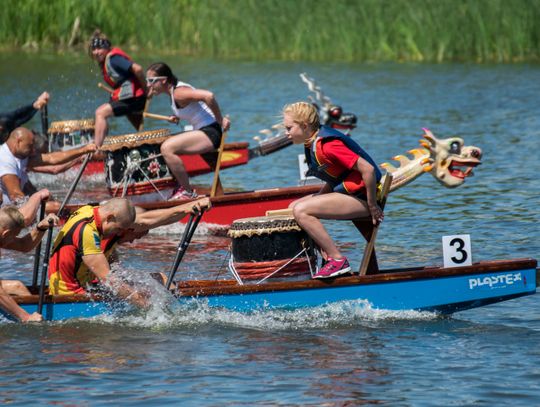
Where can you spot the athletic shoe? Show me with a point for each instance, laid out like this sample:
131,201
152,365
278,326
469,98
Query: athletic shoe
181,193
333,268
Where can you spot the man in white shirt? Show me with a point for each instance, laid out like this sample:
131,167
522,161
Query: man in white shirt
18,156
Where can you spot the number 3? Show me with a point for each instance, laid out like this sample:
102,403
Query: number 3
457,250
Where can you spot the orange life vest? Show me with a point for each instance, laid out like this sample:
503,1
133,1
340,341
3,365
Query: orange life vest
124,88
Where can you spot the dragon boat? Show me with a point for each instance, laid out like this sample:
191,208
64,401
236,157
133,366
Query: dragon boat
435,289
448,160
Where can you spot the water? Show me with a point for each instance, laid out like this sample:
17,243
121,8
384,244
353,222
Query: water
341,354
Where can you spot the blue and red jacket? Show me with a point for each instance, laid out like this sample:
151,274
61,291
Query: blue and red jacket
348,181
125,87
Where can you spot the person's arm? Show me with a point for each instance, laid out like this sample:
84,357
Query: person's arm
160,217
9,305
56,169
138,71
12,185
30,240
99,266
23,114
30,207
370,180
60,157
184,95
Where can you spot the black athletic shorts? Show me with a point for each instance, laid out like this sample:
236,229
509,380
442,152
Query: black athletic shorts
128,106
214,133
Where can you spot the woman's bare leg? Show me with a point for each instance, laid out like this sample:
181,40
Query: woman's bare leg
307,213
191,142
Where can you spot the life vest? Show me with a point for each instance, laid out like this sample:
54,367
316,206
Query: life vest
67,273
347,182
124,87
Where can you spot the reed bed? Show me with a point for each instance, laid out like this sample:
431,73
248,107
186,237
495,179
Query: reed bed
318,30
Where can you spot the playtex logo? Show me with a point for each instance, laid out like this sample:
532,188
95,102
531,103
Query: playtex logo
499,281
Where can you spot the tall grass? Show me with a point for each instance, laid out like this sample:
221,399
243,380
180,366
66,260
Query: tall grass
322,30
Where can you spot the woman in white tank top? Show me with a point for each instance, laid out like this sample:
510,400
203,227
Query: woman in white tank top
196,106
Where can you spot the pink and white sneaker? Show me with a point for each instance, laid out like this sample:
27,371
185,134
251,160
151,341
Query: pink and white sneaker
334,268
181,193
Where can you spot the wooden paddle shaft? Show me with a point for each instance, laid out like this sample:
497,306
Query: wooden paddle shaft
105,87
156,116
371,244
216,181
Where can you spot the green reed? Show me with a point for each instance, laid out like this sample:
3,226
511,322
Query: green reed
320,30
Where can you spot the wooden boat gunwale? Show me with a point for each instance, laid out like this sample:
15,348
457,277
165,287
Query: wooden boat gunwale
209,288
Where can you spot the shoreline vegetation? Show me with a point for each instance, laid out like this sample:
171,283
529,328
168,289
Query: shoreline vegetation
290,30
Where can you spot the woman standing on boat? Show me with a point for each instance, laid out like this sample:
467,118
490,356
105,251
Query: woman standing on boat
200,108
351,178
128,95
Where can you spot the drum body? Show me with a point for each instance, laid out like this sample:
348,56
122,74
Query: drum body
69,134
261,245
134,165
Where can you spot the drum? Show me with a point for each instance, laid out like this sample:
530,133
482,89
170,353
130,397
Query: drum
68,134
262,245
134,165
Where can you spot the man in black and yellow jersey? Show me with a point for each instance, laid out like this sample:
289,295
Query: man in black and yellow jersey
78,257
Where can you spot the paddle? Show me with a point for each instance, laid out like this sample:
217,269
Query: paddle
146,104
75,182
156,116
44,120
45,268
105,88
371,243
37,253
216,184
183,245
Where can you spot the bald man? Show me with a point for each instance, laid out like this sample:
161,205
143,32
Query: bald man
78,258
12,222
18,156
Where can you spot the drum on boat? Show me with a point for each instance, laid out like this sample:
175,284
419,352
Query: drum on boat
134,164
68,134
270,247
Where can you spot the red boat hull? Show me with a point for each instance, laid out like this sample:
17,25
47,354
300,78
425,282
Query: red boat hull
237,205
235,154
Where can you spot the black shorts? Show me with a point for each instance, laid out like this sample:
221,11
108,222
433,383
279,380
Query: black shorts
214,133
128,106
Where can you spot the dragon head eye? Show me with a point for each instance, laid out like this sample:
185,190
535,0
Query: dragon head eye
455,147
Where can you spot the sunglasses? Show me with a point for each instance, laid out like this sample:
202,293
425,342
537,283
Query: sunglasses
151,81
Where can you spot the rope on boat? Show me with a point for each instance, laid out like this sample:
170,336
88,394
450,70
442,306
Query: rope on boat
264,270
132,166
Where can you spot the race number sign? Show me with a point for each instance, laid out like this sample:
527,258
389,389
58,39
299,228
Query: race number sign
457,250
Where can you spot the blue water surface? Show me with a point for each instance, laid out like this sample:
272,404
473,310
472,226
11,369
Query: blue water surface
339,354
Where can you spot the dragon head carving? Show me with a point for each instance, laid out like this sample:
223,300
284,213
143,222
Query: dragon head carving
451,161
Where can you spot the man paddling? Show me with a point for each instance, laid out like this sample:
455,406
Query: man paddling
9,121
12,221
77,255
128,97
83,248
18,156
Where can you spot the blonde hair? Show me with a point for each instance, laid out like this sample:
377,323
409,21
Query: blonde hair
304,113
11,218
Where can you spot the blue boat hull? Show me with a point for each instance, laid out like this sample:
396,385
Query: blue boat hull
445,295
435,289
